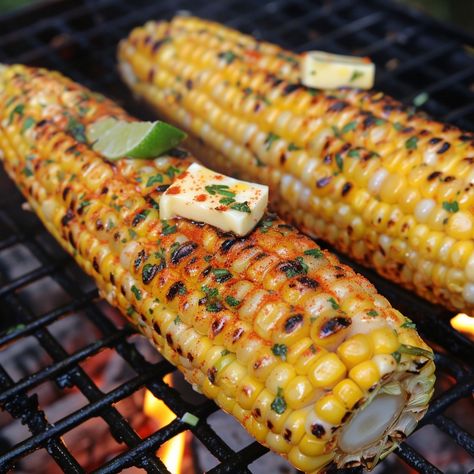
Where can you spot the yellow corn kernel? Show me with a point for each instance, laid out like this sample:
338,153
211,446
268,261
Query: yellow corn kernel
277,443
280,376
299,392
348,392
225,402
366,374
262,404
329,408
230,376
327,371
311,446
355,350
308,463
247,392
384,340
294,426
460,225
258,430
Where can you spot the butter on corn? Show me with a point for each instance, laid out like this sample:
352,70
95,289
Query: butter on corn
323,70
203,195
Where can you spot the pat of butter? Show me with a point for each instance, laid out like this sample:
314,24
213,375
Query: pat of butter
203,195
328,71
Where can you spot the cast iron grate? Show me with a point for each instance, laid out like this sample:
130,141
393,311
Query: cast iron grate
414,55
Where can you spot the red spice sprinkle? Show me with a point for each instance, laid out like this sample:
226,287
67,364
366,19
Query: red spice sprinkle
200,197
218,177
221,208
174,190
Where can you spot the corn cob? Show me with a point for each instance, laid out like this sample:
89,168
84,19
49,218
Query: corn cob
296,346
390,188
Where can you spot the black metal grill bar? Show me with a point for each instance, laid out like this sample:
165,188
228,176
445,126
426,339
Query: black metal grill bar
56,369
451,428
42,321
345,20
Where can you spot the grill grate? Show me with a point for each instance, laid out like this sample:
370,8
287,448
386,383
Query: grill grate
414,55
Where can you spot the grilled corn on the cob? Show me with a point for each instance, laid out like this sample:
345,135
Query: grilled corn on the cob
299,348
392,189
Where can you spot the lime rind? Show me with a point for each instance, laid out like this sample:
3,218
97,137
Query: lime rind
115,139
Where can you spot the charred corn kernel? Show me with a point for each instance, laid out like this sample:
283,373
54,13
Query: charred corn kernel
311,446
327,371
288,134
365,375
355,350
384,340
348,392
194,292
330,409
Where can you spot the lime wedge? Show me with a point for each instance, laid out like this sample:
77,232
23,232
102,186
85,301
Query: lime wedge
116,139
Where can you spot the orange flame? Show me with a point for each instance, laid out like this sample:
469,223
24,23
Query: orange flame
464,323
171,452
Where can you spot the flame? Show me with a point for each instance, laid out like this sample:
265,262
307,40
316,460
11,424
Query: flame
463,323
171,452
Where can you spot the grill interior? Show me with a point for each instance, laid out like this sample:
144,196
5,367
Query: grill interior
414,55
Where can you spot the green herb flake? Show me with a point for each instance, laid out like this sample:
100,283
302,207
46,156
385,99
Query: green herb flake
83,204
416,351
420,99
211,293
397,356
398,126
279,404
76,129
177,320
336,131
225,352
452,206
157,178
28,123
408,324
19,109
271,137
353,154
221,274
231,301
280,350
333,302
355,75
27,172
168,229
182,290
293,147
137,292
132,234
372,313
226,201
316,253
241,207
221,189
130,311
339,162
172,172
412,143
207,258
228,56
349,127
380,122
214,307
265,224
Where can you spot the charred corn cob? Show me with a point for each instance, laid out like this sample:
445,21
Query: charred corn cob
392,189
299,348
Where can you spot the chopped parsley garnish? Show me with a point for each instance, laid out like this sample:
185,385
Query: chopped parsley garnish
207,258
83,204
279,405
168,229
17,110
355,75
221,274
398,126
28,123
231,301
225,352
452,206
221,189
214,307
349,127
27,171
296,267
137,292
397,356
228,56
241,207
157,178
293,147
132,234
333,303
339,161
210,292
177,320
316,253
379,122
412,143
271,137
280,350
76,129
266,224
372,313
353,154
409,324
226,201
130,311
336,131
172,171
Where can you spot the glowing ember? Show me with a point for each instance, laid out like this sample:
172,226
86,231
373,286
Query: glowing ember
171,452
464,323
